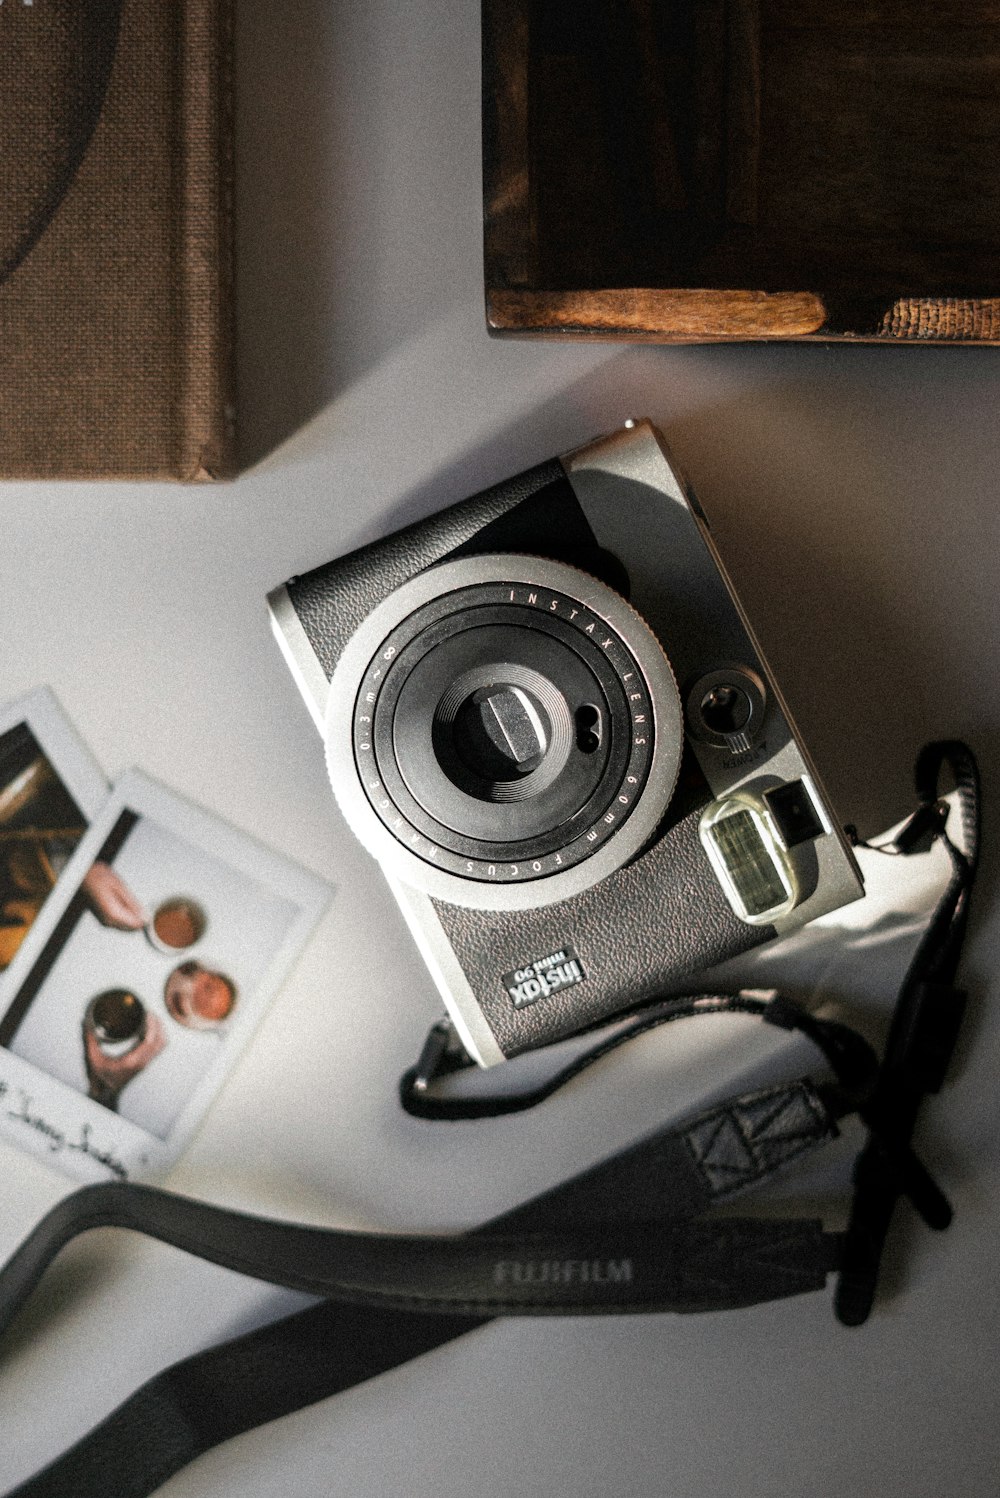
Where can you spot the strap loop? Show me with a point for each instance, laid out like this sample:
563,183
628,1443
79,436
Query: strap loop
849,1055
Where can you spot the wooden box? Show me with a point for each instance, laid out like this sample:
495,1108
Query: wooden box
694,170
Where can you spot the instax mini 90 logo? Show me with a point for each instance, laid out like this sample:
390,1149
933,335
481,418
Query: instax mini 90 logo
547,975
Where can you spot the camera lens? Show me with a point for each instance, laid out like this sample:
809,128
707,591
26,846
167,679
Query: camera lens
475,730
501,722
500,733
500,730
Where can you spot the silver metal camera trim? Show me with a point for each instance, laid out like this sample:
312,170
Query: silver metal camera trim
627,486
300,657
449,577
447,973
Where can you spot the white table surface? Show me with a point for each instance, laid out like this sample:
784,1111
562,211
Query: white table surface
853,493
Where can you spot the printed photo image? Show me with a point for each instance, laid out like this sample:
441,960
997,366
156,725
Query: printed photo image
50,790
168,943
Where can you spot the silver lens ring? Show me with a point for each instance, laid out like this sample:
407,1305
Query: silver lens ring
535,588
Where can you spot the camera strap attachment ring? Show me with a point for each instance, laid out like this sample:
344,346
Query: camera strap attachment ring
922,828
442,1054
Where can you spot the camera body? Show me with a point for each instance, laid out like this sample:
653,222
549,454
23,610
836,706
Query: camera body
546,715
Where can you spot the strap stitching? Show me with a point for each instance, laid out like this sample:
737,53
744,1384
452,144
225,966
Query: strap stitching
763,1154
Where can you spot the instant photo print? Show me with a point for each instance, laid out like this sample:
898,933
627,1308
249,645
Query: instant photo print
133,995
51,789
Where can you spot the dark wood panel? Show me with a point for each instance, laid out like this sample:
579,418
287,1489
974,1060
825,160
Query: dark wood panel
894,145
839,156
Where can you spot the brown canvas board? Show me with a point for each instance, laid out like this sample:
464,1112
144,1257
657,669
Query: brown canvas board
115,258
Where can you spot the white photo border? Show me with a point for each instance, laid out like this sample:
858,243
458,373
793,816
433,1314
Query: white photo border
73,1132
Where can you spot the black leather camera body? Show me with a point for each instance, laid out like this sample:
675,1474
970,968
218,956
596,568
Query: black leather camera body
546,715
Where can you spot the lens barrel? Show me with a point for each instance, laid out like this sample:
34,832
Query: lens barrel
503,731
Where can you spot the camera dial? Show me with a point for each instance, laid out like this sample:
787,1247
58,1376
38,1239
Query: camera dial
503,732
726,708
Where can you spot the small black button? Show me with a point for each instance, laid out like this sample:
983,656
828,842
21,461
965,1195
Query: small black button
794,814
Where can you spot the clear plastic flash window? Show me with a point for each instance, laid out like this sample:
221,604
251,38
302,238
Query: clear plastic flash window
748,859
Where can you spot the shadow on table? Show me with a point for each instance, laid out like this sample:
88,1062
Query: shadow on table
353,123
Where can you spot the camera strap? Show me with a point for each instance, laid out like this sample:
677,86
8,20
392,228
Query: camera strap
629,1235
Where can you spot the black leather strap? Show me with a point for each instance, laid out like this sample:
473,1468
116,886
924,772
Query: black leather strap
562,1251
292,1363
289,1364
633,1210
232,1388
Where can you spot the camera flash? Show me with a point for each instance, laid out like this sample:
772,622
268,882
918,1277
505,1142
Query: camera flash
749,861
